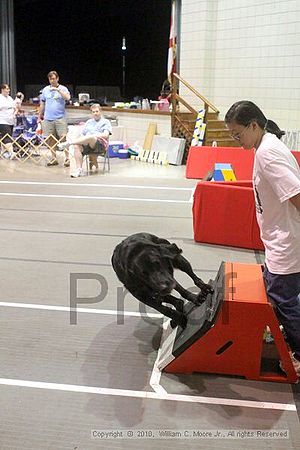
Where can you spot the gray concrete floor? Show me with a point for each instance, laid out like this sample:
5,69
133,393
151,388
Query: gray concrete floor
59,381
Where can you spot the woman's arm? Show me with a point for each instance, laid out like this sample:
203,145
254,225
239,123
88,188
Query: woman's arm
296,201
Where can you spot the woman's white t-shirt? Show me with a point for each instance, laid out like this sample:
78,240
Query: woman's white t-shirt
276,178
7,109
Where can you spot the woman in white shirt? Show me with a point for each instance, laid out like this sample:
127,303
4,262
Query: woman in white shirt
7,119
276,183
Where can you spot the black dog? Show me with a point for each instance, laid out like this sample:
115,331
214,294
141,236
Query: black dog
145,264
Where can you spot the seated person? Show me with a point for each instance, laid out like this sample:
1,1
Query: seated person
93,141
166,88
164,100
165,96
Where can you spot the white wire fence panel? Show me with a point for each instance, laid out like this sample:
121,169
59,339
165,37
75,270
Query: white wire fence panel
292,139
37,148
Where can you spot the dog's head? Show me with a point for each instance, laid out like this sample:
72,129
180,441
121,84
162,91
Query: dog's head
146,261
155,270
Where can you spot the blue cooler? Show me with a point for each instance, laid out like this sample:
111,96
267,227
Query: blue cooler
114,147
123,153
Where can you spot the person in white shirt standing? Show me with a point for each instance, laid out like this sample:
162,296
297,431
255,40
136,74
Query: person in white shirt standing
276,183
7,120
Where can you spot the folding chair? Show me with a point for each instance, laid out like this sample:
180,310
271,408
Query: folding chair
91,159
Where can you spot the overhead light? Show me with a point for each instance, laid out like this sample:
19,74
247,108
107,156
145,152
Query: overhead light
123,43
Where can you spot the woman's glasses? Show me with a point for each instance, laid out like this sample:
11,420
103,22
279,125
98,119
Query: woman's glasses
238,136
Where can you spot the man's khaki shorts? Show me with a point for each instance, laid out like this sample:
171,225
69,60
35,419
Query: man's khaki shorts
57,128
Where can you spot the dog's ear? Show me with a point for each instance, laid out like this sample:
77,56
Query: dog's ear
134,249
135,254
170,250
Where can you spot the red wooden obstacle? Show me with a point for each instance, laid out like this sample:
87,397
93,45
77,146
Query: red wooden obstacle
234,344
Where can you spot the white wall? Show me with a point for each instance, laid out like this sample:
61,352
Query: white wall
244,49
136,125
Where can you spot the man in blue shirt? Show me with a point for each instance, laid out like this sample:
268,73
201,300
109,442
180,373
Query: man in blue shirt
93,140
52,112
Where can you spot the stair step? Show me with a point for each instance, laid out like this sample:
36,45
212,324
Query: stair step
222,142
188,121
212,116
186,115
216,124
215,133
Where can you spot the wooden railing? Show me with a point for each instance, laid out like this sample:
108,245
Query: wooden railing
177,99
183,123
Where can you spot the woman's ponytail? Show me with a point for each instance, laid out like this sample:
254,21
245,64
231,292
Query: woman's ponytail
272,127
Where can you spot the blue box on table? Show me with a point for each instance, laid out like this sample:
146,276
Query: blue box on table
223,172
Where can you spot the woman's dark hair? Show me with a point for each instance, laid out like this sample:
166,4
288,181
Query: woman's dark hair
3,86
245,112
52,72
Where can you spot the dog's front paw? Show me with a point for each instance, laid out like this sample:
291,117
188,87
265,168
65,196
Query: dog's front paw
206,289
182,322
203,286
200,298
173,323
179,306
196,299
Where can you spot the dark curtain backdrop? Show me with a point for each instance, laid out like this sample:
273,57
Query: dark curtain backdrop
82,40
7,47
